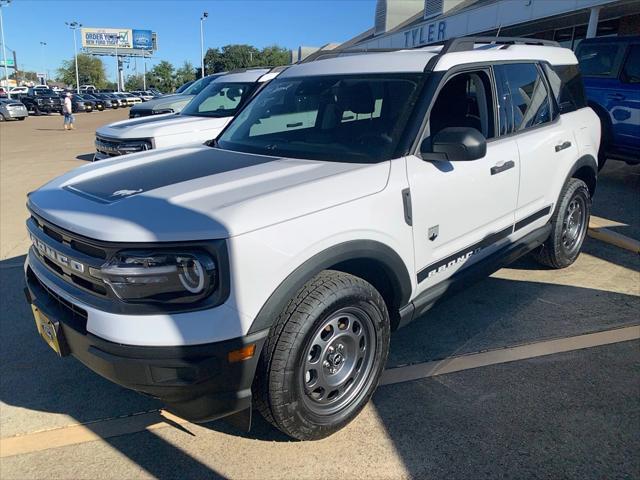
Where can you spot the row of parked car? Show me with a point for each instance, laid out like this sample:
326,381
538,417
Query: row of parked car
41,99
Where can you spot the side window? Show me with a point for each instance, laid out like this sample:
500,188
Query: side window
566,85
599,59
530,104
464,101
631,69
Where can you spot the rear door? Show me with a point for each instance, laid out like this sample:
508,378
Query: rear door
546,145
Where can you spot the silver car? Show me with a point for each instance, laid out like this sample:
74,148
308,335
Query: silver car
12,109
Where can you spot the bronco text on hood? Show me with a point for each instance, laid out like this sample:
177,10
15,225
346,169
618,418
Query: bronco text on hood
269,266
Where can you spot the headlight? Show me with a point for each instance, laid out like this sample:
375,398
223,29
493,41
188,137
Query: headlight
134,146
167,277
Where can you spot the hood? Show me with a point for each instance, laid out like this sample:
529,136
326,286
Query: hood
162,125
176,102
197,193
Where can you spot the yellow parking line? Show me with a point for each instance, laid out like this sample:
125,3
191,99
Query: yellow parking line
88,432
509,354
147,421
614,238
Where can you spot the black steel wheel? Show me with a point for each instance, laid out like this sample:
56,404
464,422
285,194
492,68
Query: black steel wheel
569,225
323,357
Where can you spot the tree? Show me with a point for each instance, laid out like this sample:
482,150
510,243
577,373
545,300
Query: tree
186,73
162,76
90,71
274,56
243,56
134,82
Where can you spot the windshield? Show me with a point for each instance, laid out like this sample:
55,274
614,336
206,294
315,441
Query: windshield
182,88
336,118
199,85
219,99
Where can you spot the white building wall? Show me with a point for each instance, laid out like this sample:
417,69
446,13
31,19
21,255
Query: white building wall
474,20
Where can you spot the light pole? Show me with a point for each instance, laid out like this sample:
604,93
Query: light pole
4,52
74,26
144,71
43,44
202,19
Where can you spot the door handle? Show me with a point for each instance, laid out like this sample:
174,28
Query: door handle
502,166
616,96
563,146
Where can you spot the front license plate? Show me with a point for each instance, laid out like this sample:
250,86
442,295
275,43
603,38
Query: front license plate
50,331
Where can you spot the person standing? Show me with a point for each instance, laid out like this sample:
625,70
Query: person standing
67,110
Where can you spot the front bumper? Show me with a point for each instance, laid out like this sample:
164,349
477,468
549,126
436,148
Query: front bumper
196,382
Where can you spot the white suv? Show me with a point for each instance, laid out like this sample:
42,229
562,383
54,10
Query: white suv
342,202
204,117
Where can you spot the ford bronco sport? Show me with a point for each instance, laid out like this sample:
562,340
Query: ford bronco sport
350,194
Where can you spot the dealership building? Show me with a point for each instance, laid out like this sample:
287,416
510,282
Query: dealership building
413,23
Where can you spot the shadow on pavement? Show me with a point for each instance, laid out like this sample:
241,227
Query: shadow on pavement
430,421
86,157
617,197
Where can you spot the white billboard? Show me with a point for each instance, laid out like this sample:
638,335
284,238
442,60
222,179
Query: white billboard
107,37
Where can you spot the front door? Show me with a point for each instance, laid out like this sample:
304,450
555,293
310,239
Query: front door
462,210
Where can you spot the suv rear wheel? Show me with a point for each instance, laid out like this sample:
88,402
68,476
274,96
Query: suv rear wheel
569,225
324,356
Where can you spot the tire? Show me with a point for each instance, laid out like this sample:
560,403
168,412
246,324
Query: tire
21,118
2,119
334,333
569,225
36,111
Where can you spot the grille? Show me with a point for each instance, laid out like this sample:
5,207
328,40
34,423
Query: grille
108,146
73,248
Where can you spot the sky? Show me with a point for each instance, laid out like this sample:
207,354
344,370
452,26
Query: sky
288,23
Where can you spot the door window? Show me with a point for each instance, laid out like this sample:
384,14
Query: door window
599,59
464,101
530,104
631,69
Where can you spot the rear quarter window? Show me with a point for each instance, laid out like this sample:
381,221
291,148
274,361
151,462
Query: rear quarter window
566,84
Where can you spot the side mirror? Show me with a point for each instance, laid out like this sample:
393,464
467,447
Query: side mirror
454,144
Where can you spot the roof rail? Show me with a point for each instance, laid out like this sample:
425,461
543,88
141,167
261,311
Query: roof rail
464,44
458,44
320,54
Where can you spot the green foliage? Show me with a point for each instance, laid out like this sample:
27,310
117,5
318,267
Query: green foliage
243,56
134,82
185,74
163,77
90,71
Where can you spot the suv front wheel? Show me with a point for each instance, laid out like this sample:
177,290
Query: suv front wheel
324,356
569,225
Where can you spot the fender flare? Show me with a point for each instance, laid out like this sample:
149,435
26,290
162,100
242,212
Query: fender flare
380,253
585,161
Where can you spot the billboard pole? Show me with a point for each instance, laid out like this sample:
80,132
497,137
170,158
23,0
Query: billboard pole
117,67
144,70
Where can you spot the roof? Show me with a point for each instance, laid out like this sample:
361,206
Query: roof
249,75
415,60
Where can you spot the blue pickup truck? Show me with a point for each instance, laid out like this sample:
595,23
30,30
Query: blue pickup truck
611,72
